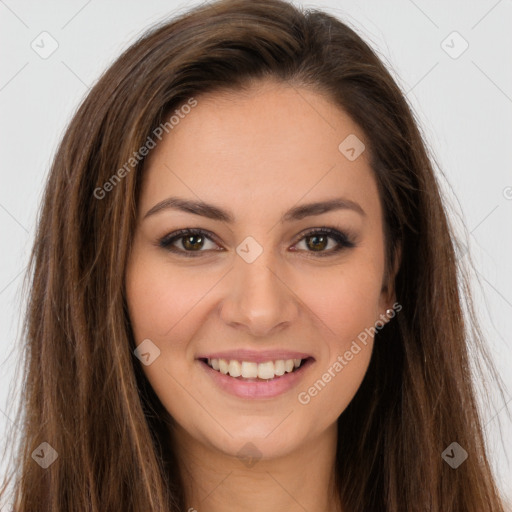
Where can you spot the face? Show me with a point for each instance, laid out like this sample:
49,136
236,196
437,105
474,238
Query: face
262,279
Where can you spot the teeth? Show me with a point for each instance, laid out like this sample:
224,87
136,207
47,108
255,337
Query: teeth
279,367
250,370
223,366
266,370
234,369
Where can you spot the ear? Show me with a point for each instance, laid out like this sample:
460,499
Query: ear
388,296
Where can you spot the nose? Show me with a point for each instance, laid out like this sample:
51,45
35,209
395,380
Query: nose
258,300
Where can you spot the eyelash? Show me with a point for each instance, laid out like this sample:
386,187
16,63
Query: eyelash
341,238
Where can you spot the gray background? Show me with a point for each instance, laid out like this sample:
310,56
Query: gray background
463,102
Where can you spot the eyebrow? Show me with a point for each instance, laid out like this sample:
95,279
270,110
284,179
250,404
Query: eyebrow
213,212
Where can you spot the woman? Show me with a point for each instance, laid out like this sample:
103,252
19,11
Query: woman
244,289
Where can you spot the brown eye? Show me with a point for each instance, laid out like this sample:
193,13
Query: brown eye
192,242
317,242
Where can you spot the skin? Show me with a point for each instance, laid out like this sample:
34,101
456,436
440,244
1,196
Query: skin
257,154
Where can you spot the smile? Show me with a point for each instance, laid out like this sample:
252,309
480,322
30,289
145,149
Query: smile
251,370
252,380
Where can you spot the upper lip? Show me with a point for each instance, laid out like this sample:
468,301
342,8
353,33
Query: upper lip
255,356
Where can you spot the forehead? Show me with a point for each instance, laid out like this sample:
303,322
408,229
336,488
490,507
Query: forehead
269,147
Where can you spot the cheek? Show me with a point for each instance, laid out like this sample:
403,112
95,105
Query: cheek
160,296
166,305
346,300
348,312
335,383
161,304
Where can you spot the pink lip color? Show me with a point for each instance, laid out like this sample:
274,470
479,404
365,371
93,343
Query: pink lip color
256,389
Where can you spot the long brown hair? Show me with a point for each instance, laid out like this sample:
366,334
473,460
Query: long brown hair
84,392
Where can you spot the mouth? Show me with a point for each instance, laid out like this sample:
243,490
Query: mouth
250,371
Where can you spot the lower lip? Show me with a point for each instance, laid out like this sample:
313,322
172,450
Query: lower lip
256,389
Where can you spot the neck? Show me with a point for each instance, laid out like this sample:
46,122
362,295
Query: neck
216,481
